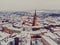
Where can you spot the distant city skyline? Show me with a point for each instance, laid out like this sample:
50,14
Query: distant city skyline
17,5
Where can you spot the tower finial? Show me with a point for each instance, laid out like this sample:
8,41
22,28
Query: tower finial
35,12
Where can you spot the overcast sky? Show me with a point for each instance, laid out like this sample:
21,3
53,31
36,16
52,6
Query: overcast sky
29,4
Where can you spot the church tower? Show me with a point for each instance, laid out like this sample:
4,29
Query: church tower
34,19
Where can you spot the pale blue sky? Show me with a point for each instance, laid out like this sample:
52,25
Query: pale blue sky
29,4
